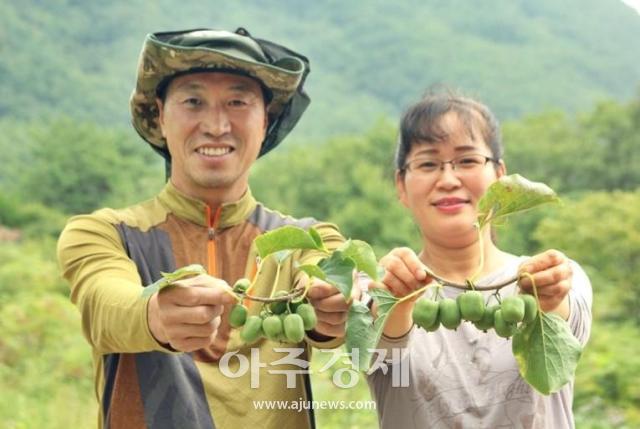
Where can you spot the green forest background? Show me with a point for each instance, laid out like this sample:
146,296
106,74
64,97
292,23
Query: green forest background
563,77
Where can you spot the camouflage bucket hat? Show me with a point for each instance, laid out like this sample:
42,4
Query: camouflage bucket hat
280,71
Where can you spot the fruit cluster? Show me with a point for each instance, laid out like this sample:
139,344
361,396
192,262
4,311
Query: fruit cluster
282,320
504,317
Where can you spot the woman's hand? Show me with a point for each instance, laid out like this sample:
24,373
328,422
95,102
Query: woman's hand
551,271
404,274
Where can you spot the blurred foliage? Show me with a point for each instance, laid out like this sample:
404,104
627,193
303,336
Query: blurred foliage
607,391
602,231
73,166
46,378
325,388
368,58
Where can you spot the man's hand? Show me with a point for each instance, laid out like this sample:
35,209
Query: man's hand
331,308
187,316
551,271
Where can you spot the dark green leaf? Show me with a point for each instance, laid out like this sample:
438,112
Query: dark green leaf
547,353
512,194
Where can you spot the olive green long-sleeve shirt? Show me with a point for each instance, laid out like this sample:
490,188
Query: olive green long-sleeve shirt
110,255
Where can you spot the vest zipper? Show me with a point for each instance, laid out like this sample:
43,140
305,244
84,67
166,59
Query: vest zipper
212,224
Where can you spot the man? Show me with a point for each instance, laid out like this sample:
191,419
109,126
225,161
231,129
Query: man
210,102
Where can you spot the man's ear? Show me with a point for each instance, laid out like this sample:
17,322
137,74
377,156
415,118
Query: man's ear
160,105
265,125
401,188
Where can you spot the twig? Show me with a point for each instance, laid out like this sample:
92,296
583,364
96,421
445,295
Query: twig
295,294
448,283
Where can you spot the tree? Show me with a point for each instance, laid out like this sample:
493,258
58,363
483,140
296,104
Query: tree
77,167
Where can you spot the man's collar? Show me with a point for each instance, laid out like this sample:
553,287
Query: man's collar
195,210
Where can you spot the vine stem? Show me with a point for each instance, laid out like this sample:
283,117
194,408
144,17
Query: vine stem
448,283
443,282
275,281
533,284
295,294
481,264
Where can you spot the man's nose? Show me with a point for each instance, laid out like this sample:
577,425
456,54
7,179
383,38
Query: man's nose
215,121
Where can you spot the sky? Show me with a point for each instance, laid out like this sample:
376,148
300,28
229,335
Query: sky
633,4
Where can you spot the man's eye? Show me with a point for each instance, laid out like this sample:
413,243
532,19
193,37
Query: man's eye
237,103
193,101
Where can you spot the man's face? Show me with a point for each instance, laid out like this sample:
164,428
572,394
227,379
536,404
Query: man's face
214,125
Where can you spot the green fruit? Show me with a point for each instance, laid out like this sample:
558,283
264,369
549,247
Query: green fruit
252,329
294,328
530,308
272,327
449,313
471,304
433,327
241,285
282,337
512,309
293,305
425,313
308,314
237,316
503,328
487,321
279,307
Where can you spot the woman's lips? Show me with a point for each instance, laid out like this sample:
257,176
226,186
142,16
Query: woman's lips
450,205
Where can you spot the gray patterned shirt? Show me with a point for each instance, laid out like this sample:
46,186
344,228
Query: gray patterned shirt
469,379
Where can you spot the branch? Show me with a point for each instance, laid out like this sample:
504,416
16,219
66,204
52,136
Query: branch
295,294
444,282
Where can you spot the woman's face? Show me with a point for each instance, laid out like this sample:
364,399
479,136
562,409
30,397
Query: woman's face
444,200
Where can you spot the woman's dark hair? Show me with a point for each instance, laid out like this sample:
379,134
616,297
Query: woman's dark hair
421,123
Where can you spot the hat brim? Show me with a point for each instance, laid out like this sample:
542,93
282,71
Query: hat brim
160,61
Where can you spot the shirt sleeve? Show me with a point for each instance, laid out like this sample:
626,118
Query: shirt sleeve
105,286
580,302
387,344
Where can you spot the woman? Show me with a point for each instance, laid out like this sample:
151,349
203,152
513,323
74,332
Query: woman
449,153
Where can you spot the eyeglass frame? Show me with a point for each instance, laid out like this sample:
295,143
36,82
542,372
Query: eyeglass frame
452,161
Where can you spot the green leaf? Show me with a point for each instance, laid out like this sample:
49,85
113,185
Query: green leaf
363,255
168,278
313,271
315,235
360,334
338,271
512,194
281,255
366,335
284,238
547,353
